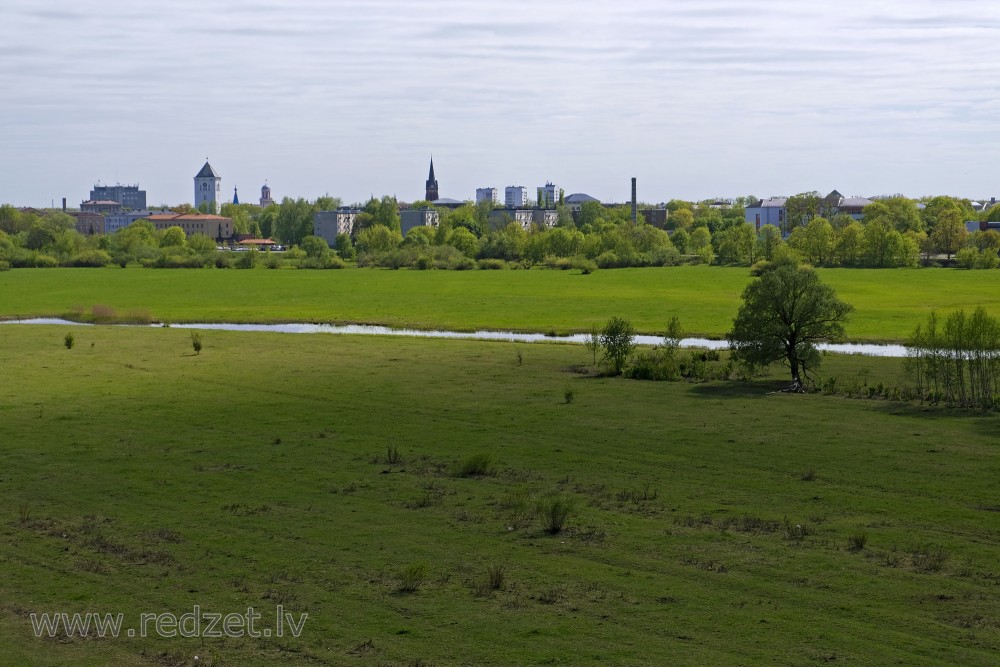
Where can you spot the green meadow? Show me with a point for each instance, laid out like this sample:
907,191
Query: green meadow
396,490
889,303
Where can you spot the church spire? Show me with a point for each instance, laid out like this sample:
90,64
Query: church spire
236,197
431,189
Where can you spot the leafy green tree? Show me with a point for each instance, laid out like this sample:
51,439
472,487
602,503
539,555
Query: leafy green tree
618,342
314,246
848,244
344,247
681,240
736,245
294,221
899,213
885,247
993,215
988,240
814,242
384,211
421,235
682,219
173,237
378,238
464,240
949,231
589,215
801,208
201,244
785,312
768,240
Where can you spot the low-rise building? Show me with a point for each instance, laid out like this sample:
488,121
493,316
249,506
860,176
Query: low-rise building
115,221
576,201
767,212
100,206
213,226
330,224
418,217
88,223
525,217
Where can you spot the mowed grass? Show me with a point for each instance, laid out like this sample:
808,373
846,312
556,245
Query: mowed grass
889,303
712,524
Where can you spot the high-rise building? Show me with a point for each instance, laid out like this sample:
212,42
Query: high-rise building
487,194
515,196
207,189
548,195
431,190
129,196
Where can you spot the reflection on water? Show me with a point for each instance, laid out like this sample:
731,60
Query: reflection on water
371,330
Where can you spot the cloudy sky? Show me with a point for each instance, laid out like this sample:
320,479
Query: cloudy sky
696,98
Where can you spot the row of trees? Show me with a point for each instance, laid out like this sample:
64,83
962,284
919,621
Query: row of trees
957,360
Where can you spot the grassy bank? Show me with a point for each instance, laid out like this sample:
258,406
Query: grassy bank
710,523
889,303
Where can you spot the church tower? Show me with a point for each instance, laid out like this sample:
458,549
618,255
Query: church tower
432,185
265,196
207,189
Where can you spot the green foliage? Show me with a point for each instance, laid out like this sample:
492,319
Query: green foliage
785,312
897,213
464,240
315,246
618,342
411,578
247,259
477,465
553,512
173,237
958,362
344,247
68,340
384,212
196,342
377,239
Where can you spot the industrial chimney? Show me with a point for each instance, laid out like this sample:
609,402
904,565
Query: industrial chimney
635,210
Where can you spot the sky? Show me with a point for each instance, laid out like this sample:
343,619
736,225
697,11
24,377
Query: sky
695,98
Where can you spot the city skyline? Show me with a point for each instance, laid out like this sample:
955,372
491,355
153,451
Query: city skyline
350,99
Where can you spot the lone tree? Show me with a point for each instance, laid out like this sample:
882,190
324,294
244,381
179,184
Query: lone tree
785,312
617,339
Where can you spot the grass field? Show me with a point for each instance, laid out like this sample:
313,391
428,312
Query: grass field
889,303
712,524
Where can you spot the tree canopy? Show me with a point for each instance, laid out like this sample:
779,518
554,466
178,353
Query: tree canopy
785,312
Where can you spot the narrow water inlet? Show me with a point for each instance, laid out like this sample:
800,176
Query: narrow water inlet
872,350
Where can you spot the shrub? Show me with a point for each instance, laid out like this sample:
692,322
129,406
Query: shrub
248,259
477,465
857,541
617,339
68,341
196,342
568,395
423,263
493,580
608,260
462,264
553,511
273,262
92,258
4,265
223,260
411,578
491,264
